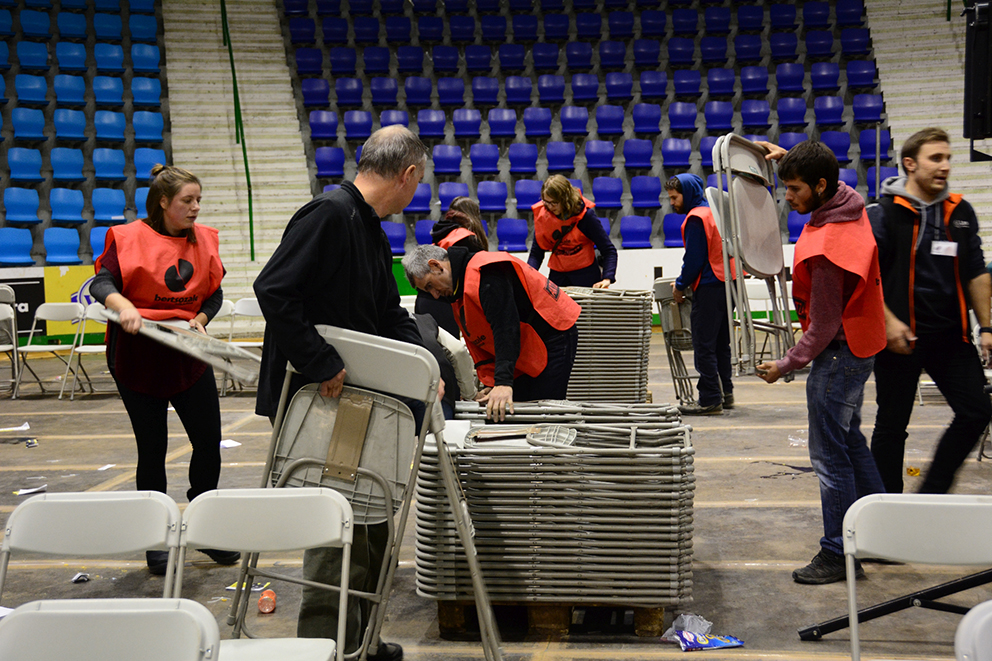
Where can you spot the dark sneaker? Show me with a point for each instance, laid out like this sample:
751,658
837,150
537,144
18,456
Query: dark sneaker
158,562
387,652
222,557
696,409
728,401
826,567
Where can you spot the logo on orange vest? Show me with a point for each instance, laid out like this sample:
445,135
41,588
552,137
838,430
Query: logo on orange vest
176,279
800,309
553,289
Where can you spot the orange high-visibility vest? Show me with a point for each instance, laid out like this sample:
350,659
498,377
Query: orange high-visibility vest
454,236
714,247
576,251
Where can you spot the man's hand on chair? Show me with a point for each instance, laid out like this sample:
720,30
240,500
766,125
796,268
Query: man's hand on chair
333,387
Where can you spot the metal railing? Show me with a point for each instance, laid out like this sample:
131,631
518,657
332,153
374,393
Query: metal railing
239,128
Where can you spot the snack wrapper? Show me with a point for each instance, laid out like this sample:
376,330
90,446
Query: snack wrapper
692,642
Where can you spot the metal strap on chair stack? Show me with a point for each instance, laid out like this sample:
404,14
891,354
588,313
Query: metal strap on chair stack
677,331
748,220
611,363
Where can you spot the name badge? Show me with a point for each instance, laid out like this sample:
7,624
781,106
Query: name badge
944,248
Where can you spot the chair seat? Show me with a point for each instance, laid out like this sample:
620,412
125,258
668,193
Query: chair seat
284,649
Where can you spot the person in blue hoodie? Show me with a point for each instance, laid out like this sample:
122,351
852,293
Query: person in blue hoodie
702,270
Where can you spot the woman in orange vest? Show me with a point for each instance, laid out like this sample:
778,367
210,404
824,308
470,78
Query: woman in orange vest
165,266
566,225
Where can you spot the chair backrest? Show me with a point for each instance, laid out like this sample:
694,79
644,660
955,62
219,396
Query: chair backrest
247,307
973,640
61,246
635,232
15,245
67,205
511,234
21,205
111,629
98,240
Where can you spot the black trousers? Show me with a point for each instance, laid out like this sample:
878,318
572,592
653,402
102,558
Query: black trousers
198,408
552,382
711,343
955,368
586,276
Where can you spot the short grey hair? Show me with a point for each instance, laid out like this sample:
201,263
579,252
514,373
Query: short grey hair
390,151
415,263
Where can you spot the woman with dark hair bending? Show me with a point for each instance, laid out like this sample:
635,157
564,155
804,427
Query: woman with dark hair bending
566,225
165,266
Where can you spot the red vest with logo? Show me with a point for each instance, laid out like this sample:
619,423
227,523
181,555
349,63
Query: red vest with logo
851,246
714,246
549,301
166,277
454,236
576,251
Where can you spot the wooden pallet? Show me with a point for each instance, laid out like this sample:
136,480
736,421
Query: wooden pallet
458,620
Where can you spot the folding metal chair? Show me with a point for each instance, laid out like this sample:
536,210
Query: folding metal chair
94,312
675,327
973,639
8,329
71,312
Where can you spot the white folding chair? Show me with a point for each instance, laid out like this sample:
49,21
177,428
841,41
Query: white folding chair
973,640
94,312
245,307
8,338
263,521
935,529
110,630
71,312
93,524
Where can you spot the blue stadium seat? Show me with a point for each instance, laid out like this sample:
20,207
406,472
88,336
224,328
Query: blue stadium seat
635,232
789,140
511,234
754,80
344,60
868,108
37,24
430,28
816,15
706,144
391,6
398,30
750,18
98,240
366,29
791,111
523,158
32,56
550,90
357,124
545,56
866,141
682,116
782,16
148,126
688,83
391,117
537,122
418,91
15,245
671,226
855,42
21,205
3,90
849,176
410,59
619,86
719,115
789,77
561,156
69,124
360,7
329,161
518,90
421,202
653,23
646,192
621,25
599,154
485,91
681,51
67,164
449,190
647,53
585,87
422,231
839,143
574,120
479,57
713,50
588,25
316,92
430,123
396,233
819,44
447,159
107,27
825,76
145,158
467,122
578,56
716,20
884,173
511,57
323,125
144,58
747,48
348,91
29,124
328,7
140,199
493,28
607,192
143,28
451,91
754,114
556,27
25,164
136,6
685,21
675,152
108,206
67,205
654,85
31,90
795,222
524,28
861,74
828,110
647,118
637,154
461,28
71,57
109,91
612,55
335,30
376,59
502,123
109,126
720,82
849,12
784,46
6,23
609,120
527,193
295,7
484,158
491,194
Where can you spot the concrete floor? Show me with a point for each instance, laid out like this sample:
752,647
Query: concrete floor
757,518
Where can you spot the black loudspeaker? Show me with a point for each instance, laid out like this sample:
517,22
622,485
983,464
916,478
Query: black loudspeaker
977,72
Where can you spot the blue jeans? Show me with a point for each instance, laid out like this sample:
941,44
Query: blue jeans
837,448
